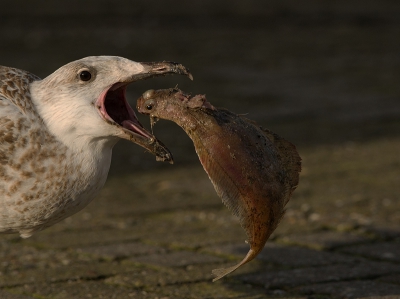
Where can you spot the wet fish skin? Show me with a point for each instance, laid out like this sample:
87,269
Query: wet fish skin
253,170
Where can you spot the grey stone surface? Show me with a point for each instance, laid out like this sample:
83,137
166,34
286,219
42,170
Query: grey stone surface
291,256
382,250
8,295
218,290
354,289
80,290
324,239
82,270
146,277
177,259
300,276
393,278
120,250
387,231
73,239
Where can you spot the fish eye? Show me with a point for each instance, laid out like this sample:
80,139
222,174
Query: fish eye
149,104
85,75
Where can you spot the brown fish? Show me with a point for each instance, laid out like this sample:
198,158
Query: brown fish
253,170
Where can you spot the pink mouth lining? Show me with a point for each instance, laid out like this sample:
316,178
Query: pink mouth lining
114,108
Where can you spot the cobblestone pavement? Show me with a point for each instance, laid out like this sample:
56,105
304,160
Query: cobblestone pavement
165,237
323,75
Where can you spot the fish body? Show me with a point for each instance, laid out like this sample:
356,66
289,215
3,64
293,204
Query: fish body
253,170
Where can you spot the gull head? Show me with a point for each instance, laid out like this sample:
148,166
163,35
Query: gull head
84,102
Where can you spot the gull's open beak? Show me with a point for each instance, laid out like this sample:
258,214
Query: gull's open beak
114,107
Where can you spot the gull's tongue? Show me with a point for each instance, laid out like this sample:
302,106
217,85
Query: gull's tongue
136,128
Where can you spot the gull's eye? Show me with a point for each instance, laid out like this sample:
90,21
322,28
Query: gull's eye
85,76
149,104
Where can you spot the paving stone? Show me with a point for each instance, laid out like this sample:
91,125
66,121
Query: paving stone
64,272
80,290
148,277
177,259
18,256
158,191
388,231
196,239
121,250
389,251
292,256
157,275
394,278
354,289
302,276
324,239
74,239
219,290
8,295
193,229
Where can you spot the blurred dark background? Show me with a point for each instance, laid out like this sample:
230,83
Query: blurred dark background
316,72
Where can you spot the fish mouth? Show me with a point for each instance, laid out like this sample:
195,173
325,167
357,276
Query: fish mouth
115,110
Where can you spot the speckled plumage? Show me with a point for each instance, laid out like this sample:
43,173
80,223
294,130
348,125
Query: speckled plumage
29,170
55,146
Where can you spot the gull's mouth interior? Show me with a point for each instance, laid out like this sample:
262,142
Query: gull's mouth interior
115,109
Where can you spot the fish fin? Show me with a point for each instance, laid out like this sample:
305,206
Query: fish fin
221,272
230,194
225,187
291,160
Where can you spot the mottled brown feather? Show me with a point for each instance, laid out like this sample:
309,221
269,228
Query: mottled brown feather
33,163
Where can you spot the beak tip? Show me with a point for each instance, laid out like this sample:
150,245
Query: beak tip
154,69
161,157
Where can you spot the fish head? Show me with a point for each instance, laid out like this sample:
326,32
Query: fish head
170,103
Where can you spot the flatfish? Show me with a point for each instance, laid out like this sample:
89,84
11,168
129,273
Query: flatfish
253,170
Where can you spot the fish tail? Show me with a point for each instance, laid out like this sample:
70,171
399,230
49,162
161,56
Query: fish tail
221,272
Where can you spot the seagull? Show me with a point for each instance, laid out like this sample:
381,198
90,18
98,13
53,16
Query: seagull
57,135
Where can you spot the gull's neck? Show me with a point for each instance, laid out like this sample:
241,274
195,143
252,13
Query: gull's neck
71,122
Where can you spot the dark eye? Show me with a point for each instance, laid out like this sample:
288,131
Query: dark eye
149,104
85,76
